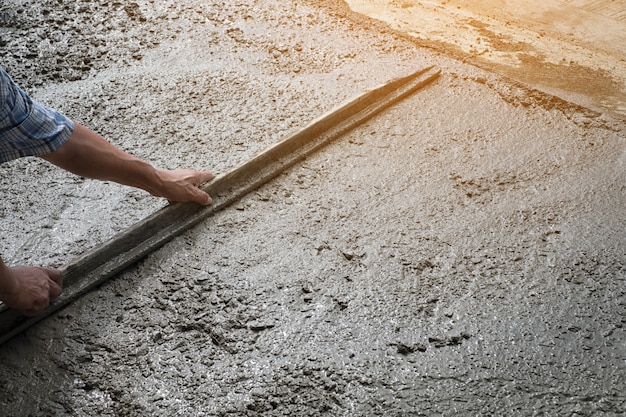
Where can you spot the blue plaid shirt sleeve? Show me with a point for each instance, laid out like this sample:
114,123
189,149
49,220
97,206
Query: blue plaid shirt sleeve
26,127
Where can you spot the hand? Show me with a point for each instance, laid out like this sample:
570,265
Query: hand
182,185
33,289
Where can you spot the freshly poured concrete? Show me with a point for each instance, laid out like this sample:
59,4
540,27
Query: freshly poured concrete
462,254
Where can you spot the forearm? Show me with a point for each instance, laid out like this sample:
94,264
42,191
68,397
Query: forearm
89,155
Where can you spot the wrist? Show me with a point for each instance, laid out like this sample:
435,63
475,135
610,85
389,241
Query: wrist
9,286
140,174
151,180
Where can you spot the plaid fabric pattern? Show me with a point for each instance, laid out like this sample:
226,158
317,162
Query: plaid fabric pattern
26,127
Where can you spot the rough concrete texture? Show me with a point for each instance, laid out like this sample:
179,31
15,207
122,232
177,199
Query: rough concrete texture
461,254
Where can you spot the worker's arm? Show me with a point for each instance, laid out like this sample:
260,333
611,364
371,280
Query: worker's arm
89,155
31,289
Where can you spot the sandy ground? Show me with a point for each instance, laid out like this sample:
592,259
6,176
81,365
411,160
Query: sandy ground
571,48
464,253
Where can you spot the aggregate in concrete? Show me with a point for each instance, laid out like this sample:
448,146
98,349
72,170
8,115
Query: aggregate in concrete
461,254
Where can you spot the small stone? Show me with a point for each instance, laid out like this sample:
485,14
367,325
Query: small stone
258,326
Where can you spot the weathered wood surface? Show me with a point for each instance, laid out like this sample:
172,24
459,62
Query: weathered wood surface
121,251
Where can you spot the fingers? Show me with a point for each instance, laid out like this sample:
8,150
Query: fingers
197,195
55,282
41,286
193,177
183,185
54,289
202,177
202,198
54,275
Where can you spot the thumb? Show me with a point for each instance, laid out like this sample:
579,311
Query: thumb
200,197
55,275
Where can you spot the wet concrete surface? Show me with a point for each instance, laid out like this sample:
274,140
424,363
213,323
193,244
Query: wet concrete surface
461,254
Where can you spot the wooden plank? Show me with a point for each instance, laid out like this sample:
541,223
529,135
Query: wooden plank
109,258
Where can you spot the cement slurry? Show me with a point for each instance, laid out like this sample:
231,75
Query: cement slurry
462,254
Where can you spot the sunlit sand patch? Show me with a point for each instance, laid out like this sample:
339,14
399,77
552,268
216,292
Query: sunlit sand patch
520,38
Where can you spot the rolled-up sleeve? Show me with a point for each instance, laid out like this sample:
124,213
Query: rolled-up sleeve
26,127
